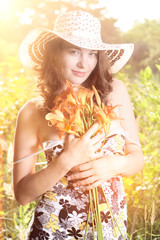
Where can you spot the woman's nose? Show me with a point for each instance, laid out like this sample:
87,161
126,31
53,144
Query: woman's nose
82,61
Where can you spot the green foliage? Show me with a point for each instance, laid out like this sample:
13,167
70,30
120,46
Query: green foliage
16,220
146,38
21,219
15,90
16,87
142,189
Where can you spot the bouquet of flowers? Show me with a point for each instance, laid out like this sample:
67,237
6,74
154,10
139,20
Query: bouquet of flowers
75,110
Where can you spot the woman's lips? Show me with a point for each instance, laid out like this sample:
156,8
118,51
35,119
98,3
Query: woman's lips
78,73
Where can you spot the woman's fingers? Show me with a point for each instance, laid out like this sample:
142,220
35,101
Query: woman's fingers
82,167
84,149
91,131
89,183
85,182
97,147
80,175
98,138
94,185
69,137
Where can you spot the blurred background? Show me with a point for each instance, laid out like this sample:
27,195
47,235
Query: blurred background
122,21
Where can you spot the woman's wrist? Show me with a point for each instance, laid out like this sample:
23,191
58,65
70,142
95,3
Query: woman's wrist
64,162
119,165
128,165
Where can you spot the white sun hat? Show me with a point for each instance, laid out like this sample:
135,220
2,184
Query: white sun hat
79,28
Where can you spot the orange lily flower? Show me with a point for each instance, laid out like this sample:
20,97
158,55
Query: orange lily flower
81,95
75,112
84,94
56,116
109,111
101,115
71,99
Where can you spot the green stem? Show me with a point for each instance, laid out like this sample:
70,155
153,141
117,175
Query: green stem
99,229
92,211
86,229
84,120
95,210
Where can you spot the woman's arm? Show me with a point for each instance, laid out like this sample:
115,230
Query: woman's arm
100,170
134,161
28,184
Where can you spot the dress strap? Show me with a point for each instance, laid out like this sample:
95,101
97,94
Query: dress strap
50,144
46,145
134,142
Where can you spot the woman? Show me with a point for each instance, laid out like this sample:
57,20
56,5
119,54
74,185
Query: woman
74,51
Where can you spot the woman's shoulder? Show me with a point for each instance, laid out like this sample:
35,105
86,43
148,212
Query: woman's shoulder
30,110
118,85
119,92
119,88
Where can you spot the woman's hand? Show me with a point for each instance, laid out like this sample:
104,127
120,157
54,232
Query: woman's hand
82,150
94,173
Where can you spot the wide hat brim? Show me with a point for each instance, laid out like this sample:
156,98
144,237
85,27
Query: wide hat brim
33,46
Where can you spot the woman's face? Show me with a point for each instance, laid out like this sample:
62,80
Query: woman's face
78,63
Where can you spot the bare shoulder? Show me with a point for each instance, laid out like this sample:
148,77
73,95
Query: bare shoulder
29,116
119,93
29,110
119,97
118,86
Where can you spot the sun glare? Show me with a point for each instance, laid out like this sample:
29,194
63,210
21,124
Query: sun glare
128,12
4,4
5,9
25,17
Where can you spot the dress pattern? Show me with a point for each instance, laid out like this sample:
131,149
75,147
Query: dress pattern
62,211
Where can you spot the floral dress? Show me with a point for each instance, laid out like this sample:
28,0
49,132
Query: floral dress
62,211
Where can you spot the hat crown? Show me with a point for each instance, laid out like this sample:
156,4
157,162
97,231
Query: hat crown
78,23
79,28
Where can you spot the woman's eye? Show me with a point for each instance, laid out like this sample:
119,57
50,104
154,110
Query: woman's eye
74,52
94,53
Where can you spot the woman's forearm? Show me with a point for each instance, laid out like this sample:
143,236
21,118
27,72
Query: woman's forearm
128,165
34,185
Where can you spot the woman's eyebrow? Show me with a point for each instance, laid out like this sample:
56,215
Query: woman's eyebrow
74,47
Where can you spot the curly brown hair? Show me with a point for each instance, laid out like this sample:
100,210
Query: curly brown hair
51,80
